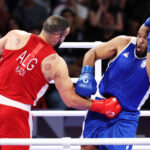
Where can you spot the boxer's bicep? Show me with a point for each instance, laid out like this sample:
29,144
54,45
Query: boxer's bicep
55,68
111,48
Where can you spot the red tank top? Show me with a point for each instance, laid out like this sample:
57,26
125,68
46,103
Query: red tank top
21,78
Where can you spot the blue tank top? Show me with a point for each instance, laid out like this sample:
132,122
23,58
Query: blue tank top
126,78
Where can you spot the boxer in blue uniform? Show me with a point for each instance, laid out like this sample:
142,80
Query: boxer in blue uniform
126,78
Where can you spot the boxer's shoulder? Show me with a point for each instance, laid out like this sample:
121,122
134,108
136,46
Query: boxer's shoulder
16,39
19,34
124,38
122,41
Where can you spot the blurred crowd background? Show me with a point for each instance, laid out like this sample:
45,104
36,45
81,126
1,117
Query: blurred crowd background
91,20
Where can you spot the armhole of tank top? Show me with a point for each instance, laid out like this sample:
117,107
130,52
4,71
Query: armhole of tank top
133,41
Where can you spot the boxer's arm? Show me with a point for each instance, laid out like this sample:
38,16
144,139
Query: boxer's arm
147,29
148,64
66,88
148,55
106,50
55,68
3,41
108,107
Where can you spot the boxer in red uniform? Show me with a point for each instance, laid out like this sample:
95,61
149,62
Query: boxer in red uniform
27,64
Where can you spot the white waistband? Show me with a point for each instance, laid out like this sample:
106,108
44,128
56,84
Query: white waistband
9,102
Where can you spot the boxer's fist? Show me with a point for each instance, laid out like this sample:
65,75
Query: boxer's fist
86,84
108,107
147,23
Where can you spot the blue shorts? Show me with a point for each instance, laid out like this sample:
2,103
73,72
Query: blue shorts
123,126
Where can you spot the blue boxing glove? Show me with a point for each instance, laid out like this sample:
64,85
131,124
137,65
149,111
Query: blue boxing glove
86,84
148,42
147,23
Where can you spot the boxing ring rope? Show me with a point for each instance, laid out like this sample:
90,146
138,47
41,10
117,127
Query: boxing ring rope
79,44
78,148
75,113
73,143
68,143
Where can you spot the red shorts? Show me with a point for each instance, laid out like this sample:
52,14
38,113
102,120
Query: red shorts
14,123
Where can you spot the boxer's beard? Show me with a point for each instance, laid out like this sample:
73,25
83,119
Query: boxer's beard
56,47
140,54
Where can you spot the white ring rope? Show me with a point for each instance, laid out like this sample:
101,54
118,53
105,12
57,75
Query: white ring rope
74,141
56,148
135,147
75,113
79,44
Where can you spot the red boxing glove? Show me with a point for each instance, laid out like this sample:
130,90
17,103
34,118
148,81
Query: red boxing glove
109,107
